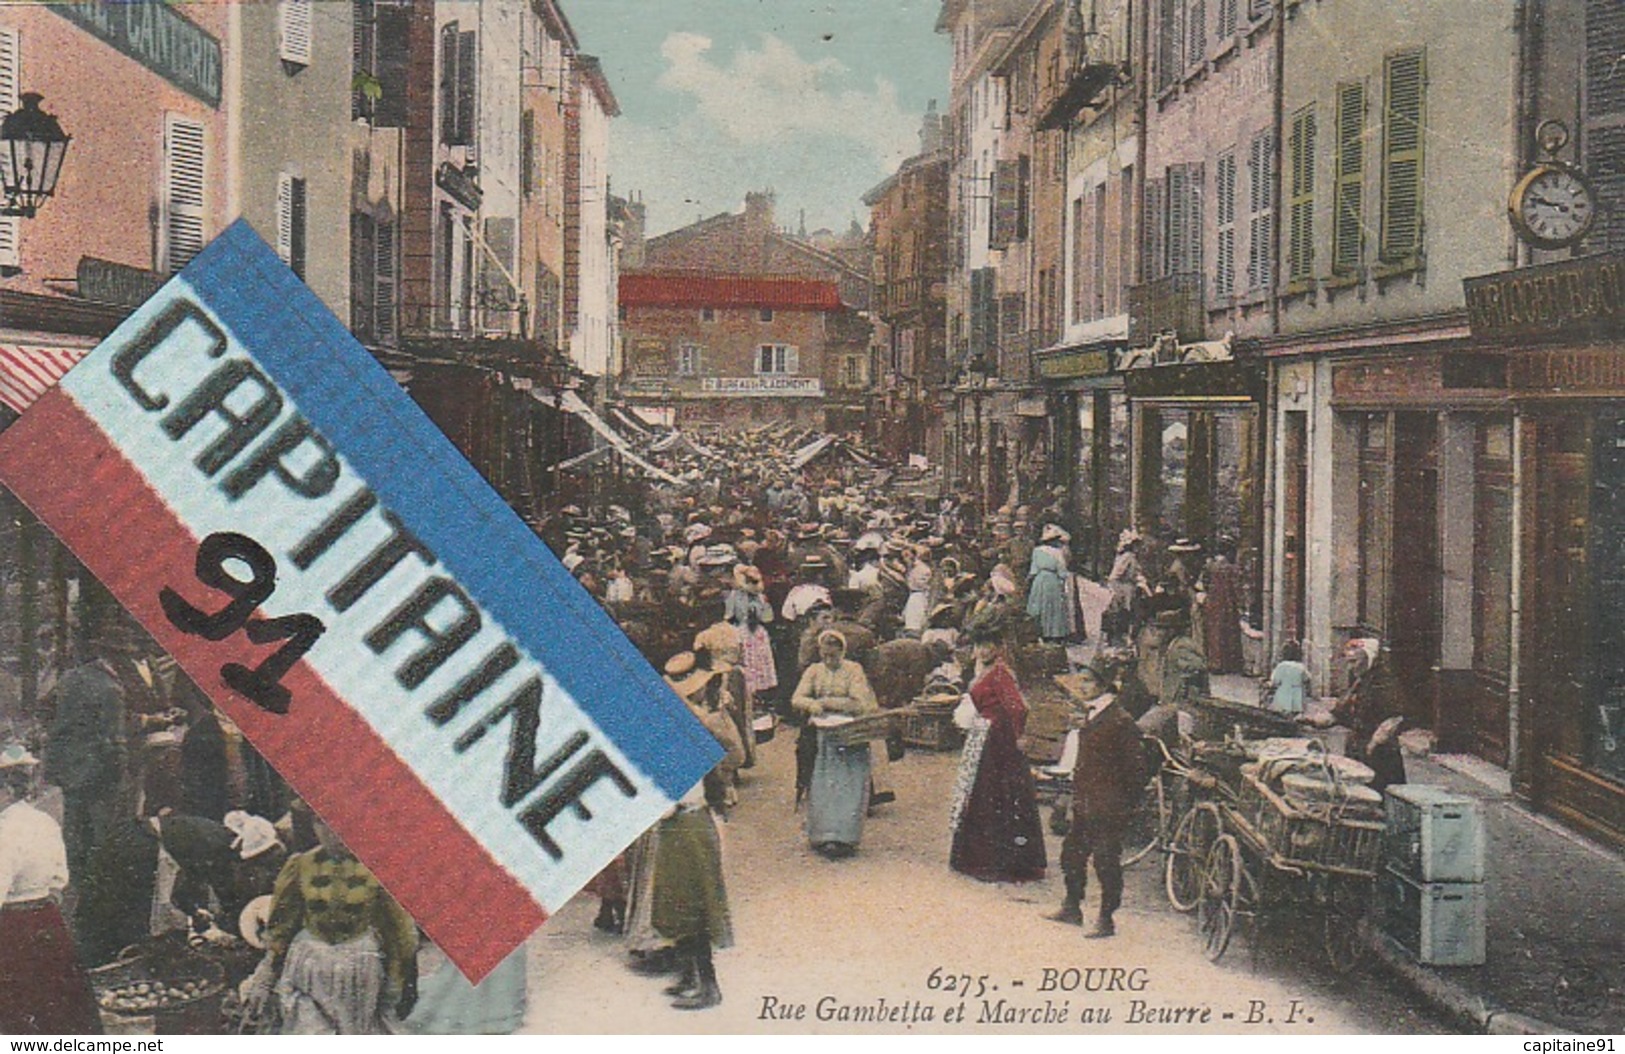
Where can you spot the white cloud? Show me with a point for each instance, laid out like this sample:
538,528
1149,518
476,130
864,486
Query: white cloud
767,95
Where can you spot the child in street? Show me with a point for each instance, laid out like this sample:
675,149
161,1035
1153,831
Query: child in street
1289,681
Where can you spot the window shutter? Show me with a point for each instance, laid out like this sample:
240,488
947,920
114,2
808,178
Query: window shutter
1006,198
1301,221
383,271
182,206
1178,217
1348,230
1195,32
1403,85
1155,265
1167,42
10,74
1261,223
293,31
362,49
1224,268
792,360
448,84
468,64
1227,18
362,280
527,153
284,216
1024,177
389,46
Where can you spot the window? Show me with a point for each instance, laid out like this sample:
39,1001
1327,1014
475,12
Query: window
1374,520
527,153
708,314
10,63
1152,229
1227,19
1348,229
1125,236
1170,60
459,68
290,222
1224,267
1403,85
1260,217
1301,196
688,360
777,359
387,64
852,372
181,210
445,251
765,314
293,31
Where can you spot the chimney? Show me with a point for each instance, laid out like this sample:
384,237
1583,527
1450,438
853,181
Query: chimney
759,212
634,233
931,130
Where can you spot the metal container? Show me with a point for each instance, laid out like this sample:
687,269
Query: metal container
1441,923
1434,835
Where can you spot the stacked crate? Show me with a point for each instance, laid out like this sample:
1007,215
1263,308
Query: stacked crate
1432,883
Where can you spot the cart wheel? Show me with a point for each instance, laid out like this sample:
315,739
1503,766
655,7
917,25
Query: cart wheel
1187,855
1146,826
1343,938
1221,896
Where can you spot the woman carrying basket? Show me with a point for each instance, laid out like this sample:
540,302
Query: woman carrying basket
838,796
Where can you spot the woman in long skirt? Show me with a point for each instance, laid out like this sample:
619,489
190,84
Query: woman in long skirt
838,796
997,833
43,989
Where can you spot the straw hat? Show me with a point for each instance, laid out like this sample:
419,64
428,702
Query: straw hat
15,755
255,834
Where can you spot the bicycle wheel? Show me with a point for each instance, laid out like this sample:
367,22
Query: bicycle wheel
1187,855
1221,897
1347,909
1148,826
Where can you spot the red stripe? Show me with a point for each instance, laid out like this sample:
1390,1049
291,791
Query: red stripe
24,367
64,468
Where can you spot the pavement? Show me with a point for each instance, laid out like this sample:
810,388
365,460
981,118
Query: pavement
1554,915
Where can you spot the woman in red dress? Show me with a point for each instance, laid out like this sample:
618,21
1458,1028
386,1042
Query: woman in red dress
997,835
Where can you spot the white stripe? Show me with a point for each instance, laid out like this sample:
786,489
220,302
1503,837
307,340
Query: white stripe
467,784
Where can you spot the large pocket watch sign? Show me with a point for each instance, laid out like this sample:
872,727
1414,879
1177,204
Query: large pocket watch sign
316,555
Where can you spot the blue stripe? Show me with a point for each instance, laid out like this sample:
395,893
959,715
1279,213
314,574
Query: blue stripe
417,472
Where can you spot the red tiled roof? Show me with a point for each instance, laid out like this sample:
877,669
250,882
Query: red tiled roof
704,290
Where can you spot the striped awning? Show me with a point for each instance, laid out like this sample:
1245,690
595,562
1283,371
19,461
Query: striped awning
28,371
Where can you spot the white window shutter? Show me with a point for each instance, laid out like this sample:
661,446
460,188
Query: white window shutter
293,31
792,360
182,207
10,73
284,217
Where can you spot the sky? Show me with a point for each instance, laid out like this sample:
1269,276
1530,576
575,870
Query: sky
817,101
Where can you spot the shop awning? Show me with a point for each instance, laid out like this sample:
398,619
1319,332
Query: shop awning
572,403
28,371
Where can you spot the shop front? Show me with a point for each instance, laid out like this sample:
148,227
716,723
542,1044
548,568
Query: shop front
1089,425
1557,328
1196,432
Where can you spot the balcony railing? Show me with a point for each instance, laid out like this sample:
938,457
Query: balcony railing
1171,304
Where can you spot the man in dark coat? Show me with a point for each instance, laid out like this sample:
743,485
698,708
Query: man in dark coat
1107,784
87,756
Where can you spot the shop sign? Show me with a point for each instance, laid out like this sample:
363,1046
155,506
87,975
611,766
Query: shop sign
155,35
107,282
288,525
1209,380
762,386
460,184
1066,365
1549,299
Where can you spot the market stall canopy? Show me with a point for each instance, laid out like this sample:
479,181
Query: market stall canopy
827,445
570,402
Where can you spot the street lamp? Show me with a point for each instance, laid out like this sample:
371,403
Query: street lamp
32,145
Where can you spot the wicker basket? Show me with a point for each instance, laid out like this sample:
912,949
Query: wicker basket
198,1014
861,730
1324,838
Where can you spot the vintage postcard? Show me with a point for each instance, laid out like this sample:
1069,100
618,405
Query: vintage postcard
963,517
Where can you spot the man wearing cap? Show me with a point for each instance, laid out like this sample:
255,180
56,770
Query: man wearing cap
1107,782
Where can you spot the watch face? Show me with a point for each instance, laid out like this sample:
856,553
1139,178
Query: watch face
1556,206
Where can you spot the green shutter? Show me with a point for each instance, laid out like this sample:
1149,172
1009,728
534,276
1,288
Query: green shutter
1224,268
1347,221
1301,205
1403,84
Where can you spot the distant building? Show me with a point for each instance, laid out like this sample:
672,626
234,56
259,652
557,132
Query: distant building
730,321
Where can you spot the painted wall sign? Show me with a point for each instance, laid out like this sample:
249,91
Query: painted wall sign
281,517
155,35
756,386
